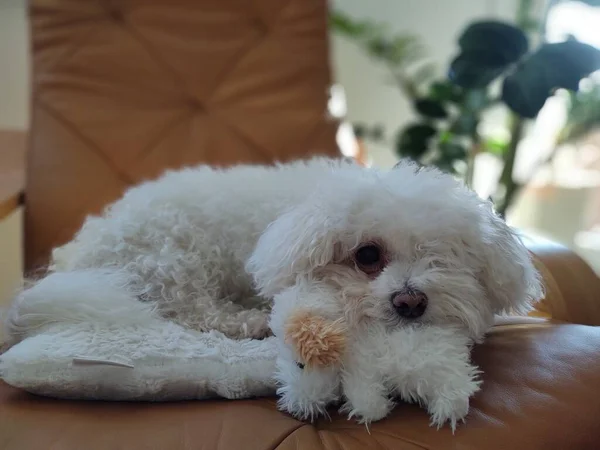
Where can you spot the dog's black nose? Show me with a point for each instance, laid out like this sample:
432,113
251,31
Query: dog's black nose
409,303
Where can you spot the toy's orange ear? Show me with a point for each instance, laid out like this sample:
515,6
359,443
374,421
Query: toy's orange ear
318,342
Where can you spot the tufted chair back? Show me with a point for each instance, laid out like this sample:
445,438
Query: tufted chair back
123,90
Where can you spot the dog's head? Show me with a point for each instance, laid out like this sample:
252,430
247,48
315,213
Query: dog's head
408,245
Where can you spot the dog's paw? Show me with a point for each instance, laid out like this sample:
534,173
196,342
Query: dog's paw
447,400
451,408
301,407
255,325
317,341
368,411
262,329
306,393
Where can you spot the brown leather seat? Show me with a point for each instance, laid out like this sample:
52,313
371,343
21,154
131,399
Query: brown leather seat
124,89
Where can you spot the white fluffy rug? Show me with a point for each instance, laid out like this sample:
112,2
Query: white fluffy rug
157,361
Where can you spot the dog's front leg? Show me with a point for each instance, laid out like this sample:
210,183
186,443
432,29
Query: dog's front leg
449,392
311,343
363,383
432,367
305,392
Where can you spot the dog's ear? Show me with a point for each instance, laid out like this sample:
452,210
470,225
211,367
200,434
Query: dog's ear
508,275
294,245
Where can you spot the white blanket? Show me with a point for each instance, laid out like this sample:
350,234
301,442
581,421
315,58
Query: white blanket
154,361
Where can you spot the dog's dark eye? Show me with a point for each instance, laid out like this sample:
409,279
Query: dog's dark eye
369,258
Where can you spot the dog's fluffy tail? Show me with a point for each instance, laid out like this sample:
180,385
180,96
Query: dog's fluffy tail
97,296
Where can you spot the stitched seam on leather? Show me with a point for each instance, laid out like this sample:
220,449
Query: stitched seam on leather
91,145
383,433
336,438
244,138
282,10
225,73
78,45
289,435
155,56
161,135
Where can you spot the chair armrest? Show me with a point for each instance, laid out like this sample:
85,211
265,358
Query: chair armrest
12,170
572,287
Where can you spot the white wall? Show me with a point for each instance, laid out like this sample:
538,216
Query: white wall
14,106
10,255
438,23
14,64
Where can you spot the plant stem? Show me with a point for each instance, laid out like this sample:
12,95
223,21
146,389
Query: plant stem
470,173
517,126
404,83
524,20
471,158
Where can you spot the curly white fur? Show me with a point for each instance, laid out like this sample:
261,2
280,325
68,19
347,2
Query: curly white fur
211,249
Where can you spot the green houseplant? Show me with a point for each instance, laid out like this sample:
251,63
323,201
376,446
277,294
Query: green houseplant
449,110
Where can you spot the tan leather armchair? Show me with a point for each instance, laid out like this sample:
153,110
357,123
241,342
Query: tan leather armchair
123,90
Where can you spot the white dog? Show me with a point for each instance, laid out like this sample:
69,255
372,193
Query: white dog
387,250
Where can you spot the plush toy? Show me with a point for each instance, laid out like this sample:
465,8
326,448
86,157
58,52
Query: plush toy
317,341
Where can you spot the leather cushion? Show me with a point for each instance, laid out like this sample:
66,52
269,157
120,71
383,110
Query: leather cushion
541,384
123,90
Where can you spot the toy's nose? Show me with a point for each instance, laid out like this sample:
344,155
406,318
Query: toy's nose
409,303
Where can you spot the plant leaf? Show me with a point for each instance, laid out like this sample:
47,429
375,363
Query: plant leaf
377,132
405,49
475,70
552,66
465,124
348,26
445,91
444,164
452,151
487,49
430,108
395,49
360,130
476,99
413,141
506,43
423,73
445,136
496,147
379,47
583,115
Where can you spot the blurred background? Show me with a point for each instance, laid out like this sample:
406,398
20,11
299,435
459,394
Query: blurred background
556,174
484,89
